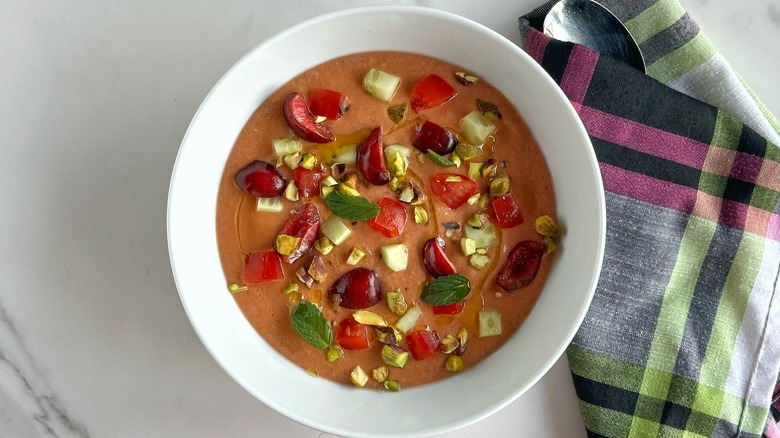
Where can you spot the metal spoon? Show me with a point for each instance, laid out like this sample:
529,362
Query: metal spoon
592,25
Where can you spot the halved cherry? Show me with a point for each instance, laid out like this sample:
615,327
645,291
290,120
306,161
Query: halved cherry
302,122
423,343
308,181
262,266
435,259
453,189
430,136
431,91
371,159
328,103
260,179
505,211
305,224
352,335
357,289
449,309
391,219
521,265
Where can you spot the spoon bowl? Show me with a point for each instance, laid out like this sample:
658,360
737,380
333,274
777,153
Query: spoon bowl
592,25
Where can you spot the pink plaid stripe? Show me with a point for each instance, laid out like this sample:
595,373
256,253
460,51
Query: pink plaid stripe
579,71
535,44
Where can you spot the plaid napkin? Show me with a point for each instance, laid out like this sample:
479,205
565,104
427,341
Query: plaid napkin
682,336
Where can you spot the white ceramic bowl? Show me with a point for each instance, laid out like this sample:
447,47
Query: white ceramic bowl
338,408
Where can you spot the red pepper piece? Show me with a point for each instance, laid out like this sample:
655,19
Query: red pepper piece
505,211
391,219
449,309
328,103
352,335
455,192
431,91
262,266
423,343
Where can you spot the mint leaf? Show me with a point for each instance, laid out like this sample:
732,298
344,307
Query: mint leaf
447,289
439,160
354,208
309,322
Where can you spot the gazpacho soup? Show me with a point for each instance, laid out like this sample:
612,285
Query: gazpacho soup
386,219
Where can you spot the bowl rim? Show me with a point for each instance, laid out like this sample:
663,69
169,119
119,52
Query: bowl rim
435,14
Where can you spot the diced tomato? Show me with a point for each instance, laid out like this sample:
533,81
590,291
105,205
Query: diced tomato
449,309
430,92
505,211
328,103
454,192
308,181
423,343
391,219
352,335
262,266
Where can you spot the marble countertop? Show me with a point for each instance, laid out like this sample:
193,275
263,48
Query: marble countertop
96,97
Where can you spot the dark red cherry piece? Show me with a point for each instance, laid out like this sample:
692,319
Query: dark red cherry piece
260,179
432,137
302,122
371,159
305,224
357,289
435,259
521,265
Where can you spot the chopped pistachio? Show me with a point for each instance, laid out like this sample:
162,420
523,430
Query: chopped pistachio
380,374
396,302
397,165
304,277
320,119
392,385
549,245
483,200
315,297
358,376
465,79
499,186
338,169
463,337
279,161
546,226
394,356
326,190
477,220
334,353
449,344
453,363
294,297
455,159
468,246
406,194
293,160
291,191
235,288
355,256
350,179
498,294
489,168
329,181
453,178
475,170
488,109
308,161
387,335
286,244
368,317
397,113
420,215
467,151
394,183
348,189
481,251
317,269
473,199
323,245
420,157
451,225
313,372
479,261
290,288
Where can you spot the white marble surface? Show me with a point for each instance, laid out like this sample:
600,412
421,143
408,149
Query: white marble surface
94,100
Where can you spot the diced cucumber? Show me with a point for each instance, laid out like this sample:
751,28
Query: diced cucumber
335,230
380,84
269,205
395,256
286,146
476,128
346,154
407,322
489,323
483,237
